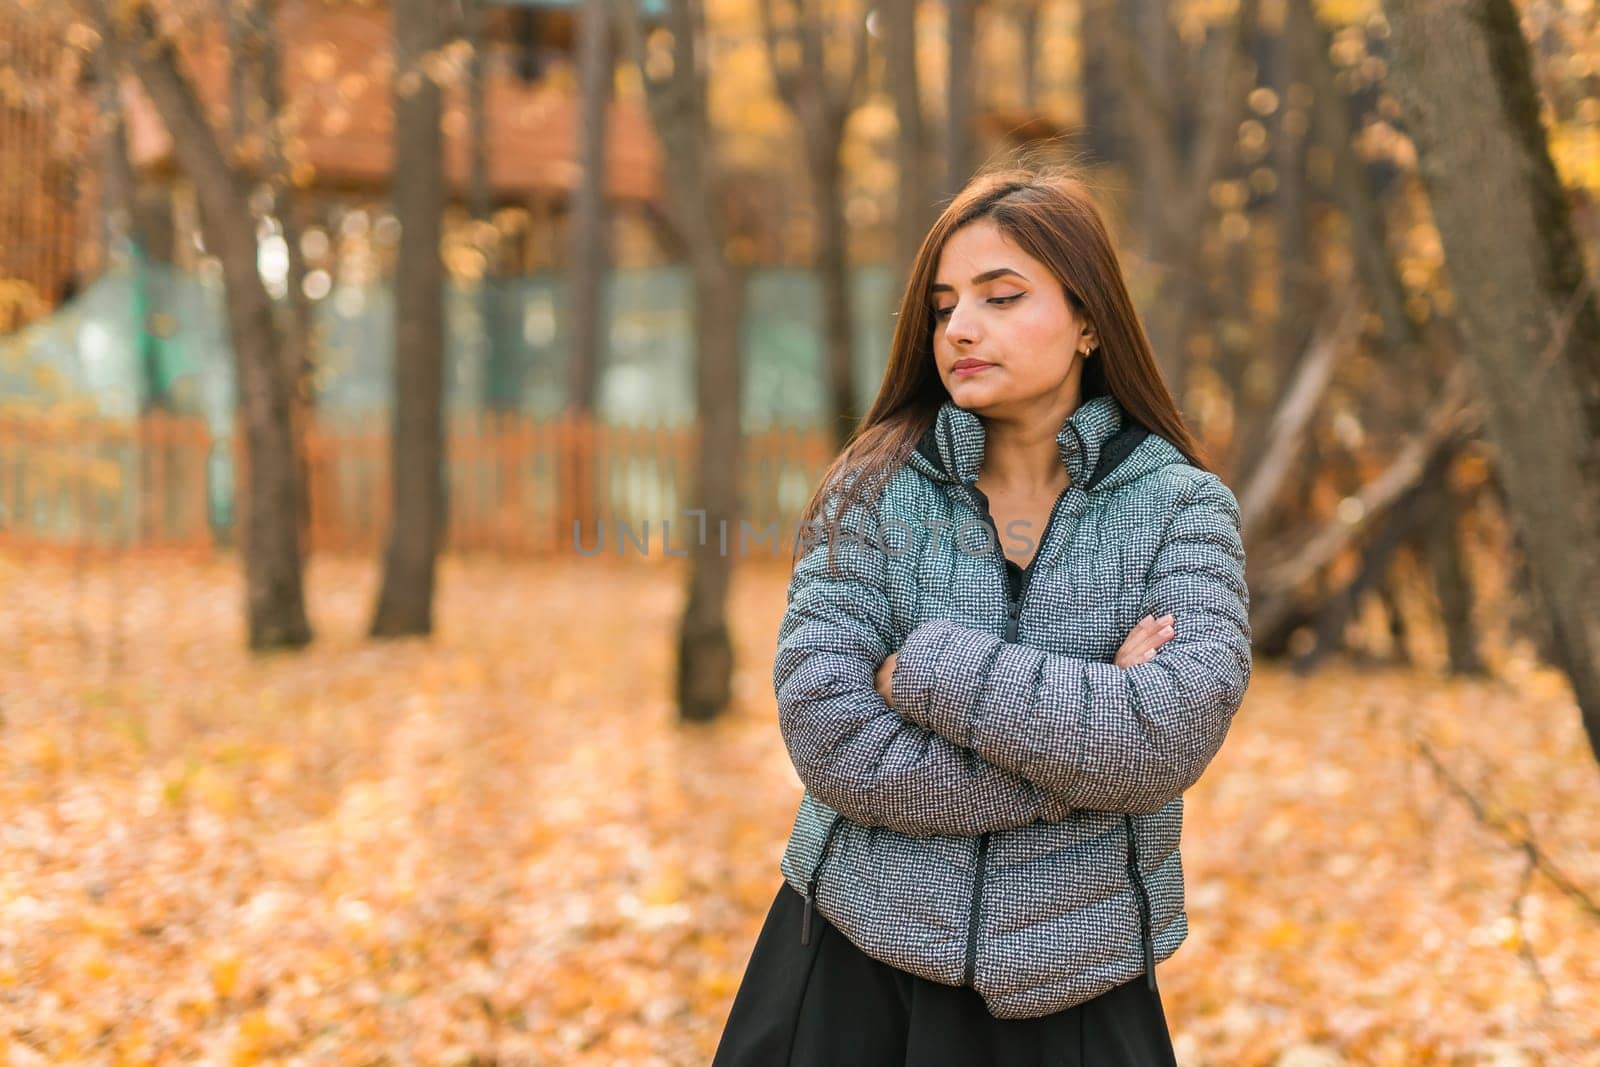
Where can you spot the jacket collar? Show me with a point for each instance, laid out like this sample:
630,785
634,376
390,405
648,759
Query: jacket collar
1092,442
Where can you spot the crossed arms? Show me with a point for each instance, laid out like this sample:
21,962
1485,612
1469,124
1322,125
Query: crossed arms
985,735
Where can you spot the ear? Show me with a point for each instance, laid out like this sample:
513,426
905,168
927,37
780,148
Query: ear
1087,340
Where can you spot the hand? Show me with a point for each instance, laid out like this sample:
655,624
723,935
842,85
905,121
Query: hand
885,675
1148,636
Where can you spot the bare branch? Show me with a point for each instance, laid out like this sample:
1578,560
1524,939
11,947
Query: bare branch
1515,835
786,79
1224,96
1453,416
1133,74
1281,448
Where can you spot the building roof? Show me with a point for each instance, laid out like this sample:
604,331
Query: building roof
337,61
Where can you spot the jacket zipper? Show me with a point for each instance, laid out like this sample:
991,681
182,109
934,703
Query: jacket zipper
1013,615
971,971
1144,903
1013,624
816,876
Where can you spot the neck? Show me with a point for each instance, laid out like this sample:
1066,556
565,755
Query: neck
1020,454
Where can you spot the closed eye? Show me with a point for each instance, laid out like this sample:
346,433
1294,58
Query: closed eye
944,313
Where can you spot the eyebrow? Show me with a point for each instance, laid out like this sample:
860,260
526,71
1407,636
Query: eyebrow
979,279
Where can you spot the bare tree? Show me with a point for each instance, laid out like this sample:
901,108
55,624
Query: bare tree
914,204
1280,571
256,88
1530,324
590,241
678,107
1027,15
417,445
1352,187
275,602
821,102
1182,132
1430,347
961,94
125,228
1105,134
1290,123
501,388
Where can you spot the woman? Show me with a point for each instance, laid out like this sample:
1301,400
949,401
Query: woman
995,731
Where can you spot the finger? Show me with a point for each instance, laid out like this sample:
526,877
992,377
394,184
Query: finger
1131,659
1145,648
1147,635
1144,656
1145,643
1156,631
1140,639
1150,630
1153,628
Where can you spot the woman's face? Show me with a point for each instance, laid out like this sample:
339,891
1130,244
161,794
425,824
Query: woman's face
1004,337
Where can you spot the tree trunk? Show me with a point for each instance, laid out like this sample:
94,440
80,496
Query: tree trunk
1377,558
590,235
1298,291
275,601
914,204
704,684
1276,579
500,384
1527,613
833,272
1352,185
123,230
961,128
1103,134
258,111
1399,525
1440,549
1530,326
678,107
1177,157
821,103
1028,18
405,602
1396,619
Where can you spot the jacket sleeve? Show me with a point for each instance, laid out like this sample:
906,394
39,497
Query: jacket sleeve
1101,736
852,751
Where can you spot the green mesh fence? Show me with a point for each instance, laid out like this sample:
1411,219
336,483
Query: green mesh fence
146,335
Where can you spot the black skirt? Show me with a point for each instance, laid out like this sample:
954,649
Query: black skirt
828,1004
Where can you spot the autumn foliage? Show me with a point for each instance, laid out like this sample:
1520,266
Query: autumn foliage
499,846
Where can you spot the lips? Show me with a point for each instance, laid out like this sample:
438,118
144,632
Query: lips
970,365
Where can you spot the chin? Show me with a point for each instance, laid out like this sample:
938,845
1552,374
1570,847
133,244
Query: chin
972,395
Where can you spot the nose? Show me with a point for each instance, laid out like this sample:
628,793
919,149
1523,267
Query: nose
957,330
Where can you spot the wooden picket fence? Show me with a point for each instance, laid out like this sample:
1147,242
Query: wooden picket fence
75,481
516,484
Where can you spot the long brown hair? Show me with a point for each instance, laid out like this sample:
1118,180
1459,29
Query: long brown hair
1050,213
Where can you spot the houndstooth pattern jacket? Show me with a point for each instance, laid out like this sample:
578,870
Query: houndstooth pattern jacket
1011,821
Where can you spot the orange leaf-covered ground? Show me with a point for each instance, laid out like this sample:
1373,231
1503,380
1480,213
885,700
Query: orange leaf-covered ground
498,846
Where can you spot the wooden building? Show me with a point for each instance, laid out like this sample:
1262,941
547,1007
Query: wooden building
336,56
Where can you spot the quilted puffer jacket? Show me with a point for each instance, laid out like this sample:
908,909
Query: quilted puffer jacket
1010,821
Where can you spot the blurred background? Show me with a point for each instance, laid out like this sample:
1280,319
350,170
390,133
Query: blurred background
374,378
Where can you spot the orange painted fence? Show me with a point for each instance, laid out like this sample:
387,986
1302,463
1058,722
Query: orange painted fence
67,480
515,484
